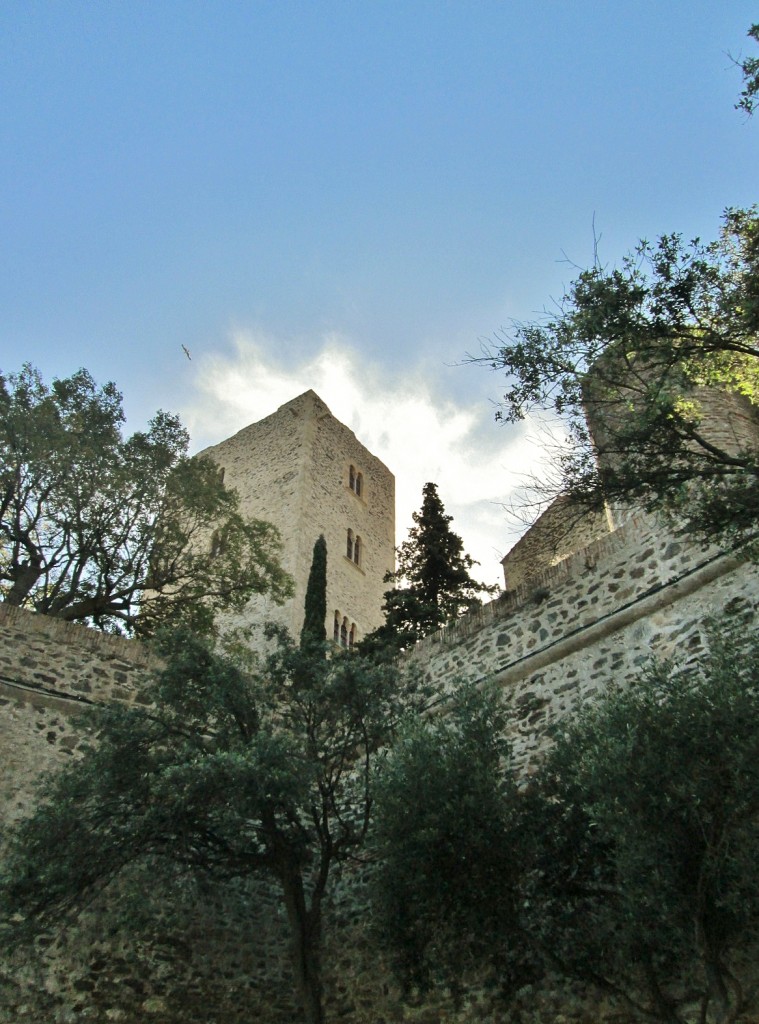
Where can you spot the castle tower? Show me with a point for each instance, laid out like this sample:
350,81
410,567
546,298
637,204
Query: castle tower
307,473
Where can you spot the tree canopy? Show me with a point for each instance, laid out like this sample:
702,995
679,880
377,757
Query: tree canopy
433,581
235,772
449,845
629,863
653,367
750,68
118,531
314,629
658,786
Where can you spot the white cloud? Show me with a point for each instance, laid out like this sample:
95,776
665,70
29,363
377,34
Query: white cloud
419,433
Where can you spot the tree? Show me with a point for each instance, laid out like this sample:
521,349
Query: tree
653,367
750,68
433,571
628,863
314,630
650,835
449,845
229,775
112,531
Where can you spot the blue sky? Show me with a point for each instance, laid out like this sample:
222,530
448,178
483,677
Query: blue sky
347,196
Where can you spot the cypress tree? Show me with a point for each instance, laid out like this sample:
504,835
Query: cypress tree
314,631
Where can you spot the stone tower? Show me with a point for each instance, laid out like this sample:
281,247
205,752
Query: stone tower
307,473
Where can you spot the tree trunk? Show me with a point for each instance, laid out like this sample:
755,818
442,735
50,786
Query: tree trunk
305,937
24,576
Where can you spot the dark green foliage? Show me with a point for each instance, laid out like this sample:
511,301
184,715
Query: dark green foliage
228,775
629,864
750,68
434,584
450,848
639,349
112,531
650,836
314,629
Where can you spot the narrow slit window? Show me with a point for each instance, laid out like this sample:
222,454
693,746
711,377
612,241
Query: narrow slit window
349,546
357,551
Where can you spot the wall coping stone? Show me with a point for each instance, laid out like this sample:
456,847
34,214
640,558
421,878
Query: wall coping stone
511,601
76,634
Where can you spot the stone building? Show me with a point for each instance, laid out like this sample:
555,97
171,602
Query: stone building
307,473
584,606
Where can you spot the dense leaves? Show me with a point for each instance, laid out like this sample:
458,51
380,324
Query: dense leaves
660,784
628,863
661,354
449,846
314,629
112,531
230,774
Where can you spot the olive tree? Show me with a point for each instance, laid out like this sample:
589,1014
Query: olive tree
653,369
116,531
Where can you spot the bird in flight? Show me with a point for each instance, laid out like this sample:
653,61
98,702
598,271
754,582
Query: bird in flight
186,352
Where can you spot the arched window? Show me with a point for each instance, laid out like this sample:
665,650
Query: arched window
336,628
349,546
352,635
357,551
344,633
355,480
217,544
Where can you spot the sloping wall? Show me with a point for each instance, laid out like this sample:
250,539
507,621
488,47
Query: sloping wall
594,619
220,954
50,671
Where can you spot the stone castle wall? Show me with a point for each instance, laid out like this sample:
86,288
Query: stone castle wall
558,533
220,954
596,618
293,469
131,959
50,673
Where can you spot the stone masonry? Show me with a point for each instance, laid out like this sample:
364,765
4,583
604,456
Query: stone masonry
307,473
595,619
557,639
559,635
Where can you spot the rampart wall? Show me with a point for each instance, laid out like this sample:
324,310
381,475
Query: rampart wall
596,618
51,671
219,954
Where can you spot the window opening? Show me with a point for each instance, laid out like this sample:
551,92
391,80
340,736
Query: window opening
344,633
349,546
357,551
217,544
336,628
355,480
